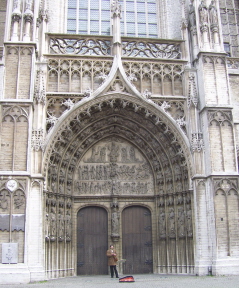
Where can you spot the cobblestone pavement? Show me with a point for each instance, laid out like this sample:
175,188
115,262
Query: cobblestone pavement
141,281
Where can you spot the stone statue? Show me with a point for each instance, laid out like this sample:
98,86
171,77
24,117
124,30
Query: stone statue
68,225
189,221
192,15
52,224
116,8
213,13
203,12
115,222
181,222
171,222
162,225
60,225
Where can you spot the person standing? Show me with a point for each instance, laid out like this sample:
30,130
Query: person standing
112,261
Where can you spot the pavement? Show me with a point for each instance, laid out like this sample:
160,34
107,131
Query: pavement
141,281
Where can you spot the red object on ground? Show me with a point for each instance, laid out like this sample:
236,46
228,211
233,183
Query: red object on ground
127,279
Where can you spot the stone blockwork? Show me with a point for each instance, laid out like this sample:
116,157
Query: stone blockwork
18,72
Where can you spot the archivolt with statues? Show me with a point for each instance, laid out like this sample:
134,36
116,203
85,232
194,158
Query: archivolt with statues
123,139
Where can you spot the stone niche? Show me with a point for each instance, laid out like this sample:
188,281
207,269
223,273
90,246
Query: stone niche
113,167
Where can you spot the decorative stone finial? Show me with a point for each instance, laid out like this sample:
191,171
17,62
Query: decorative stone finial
116,9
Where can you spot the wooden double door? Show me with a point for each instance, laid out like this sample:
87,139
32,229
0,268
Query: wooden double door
92,241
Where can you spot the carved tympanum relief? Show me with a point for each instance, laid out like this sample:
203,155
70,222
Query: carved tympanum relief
114,167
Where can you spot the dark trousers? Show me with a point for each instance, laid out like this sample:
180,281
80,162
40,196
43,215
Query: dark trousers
113,270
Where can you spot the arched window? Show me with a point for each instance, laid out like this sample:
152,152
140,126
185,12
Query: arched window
139,17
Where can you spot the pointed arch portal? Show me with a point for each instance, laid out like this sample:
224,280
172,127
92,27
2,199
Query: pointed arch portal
121,148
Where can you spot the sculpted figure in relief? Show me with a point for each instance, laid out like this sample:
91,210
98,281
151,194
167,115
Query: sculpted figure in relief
124,157
102,154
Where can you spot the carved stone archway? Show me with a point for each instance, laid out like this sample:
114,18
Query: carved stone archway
153,137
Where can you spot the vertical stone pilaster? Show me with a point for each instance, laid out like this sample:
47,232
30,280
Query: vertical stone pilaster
34,240
204,228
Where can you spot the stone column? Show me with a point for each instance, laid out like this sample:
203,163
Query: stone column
193,28
28,18
16,17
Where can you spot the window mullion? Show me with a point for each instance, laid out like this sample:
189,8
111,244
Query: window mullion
100,12
146,18
136,18
88,22
125,23
77,16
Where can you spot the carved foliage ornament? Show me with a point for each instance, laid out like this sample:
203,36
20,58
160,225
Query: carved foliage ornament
151,50
80,46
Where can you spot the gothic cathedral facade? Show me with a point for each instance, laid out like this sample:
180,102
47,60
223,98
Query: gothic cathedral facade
119,125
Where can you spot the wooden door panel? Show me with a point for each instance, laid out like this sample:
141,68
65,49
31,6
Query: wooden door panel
92,237
137,240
